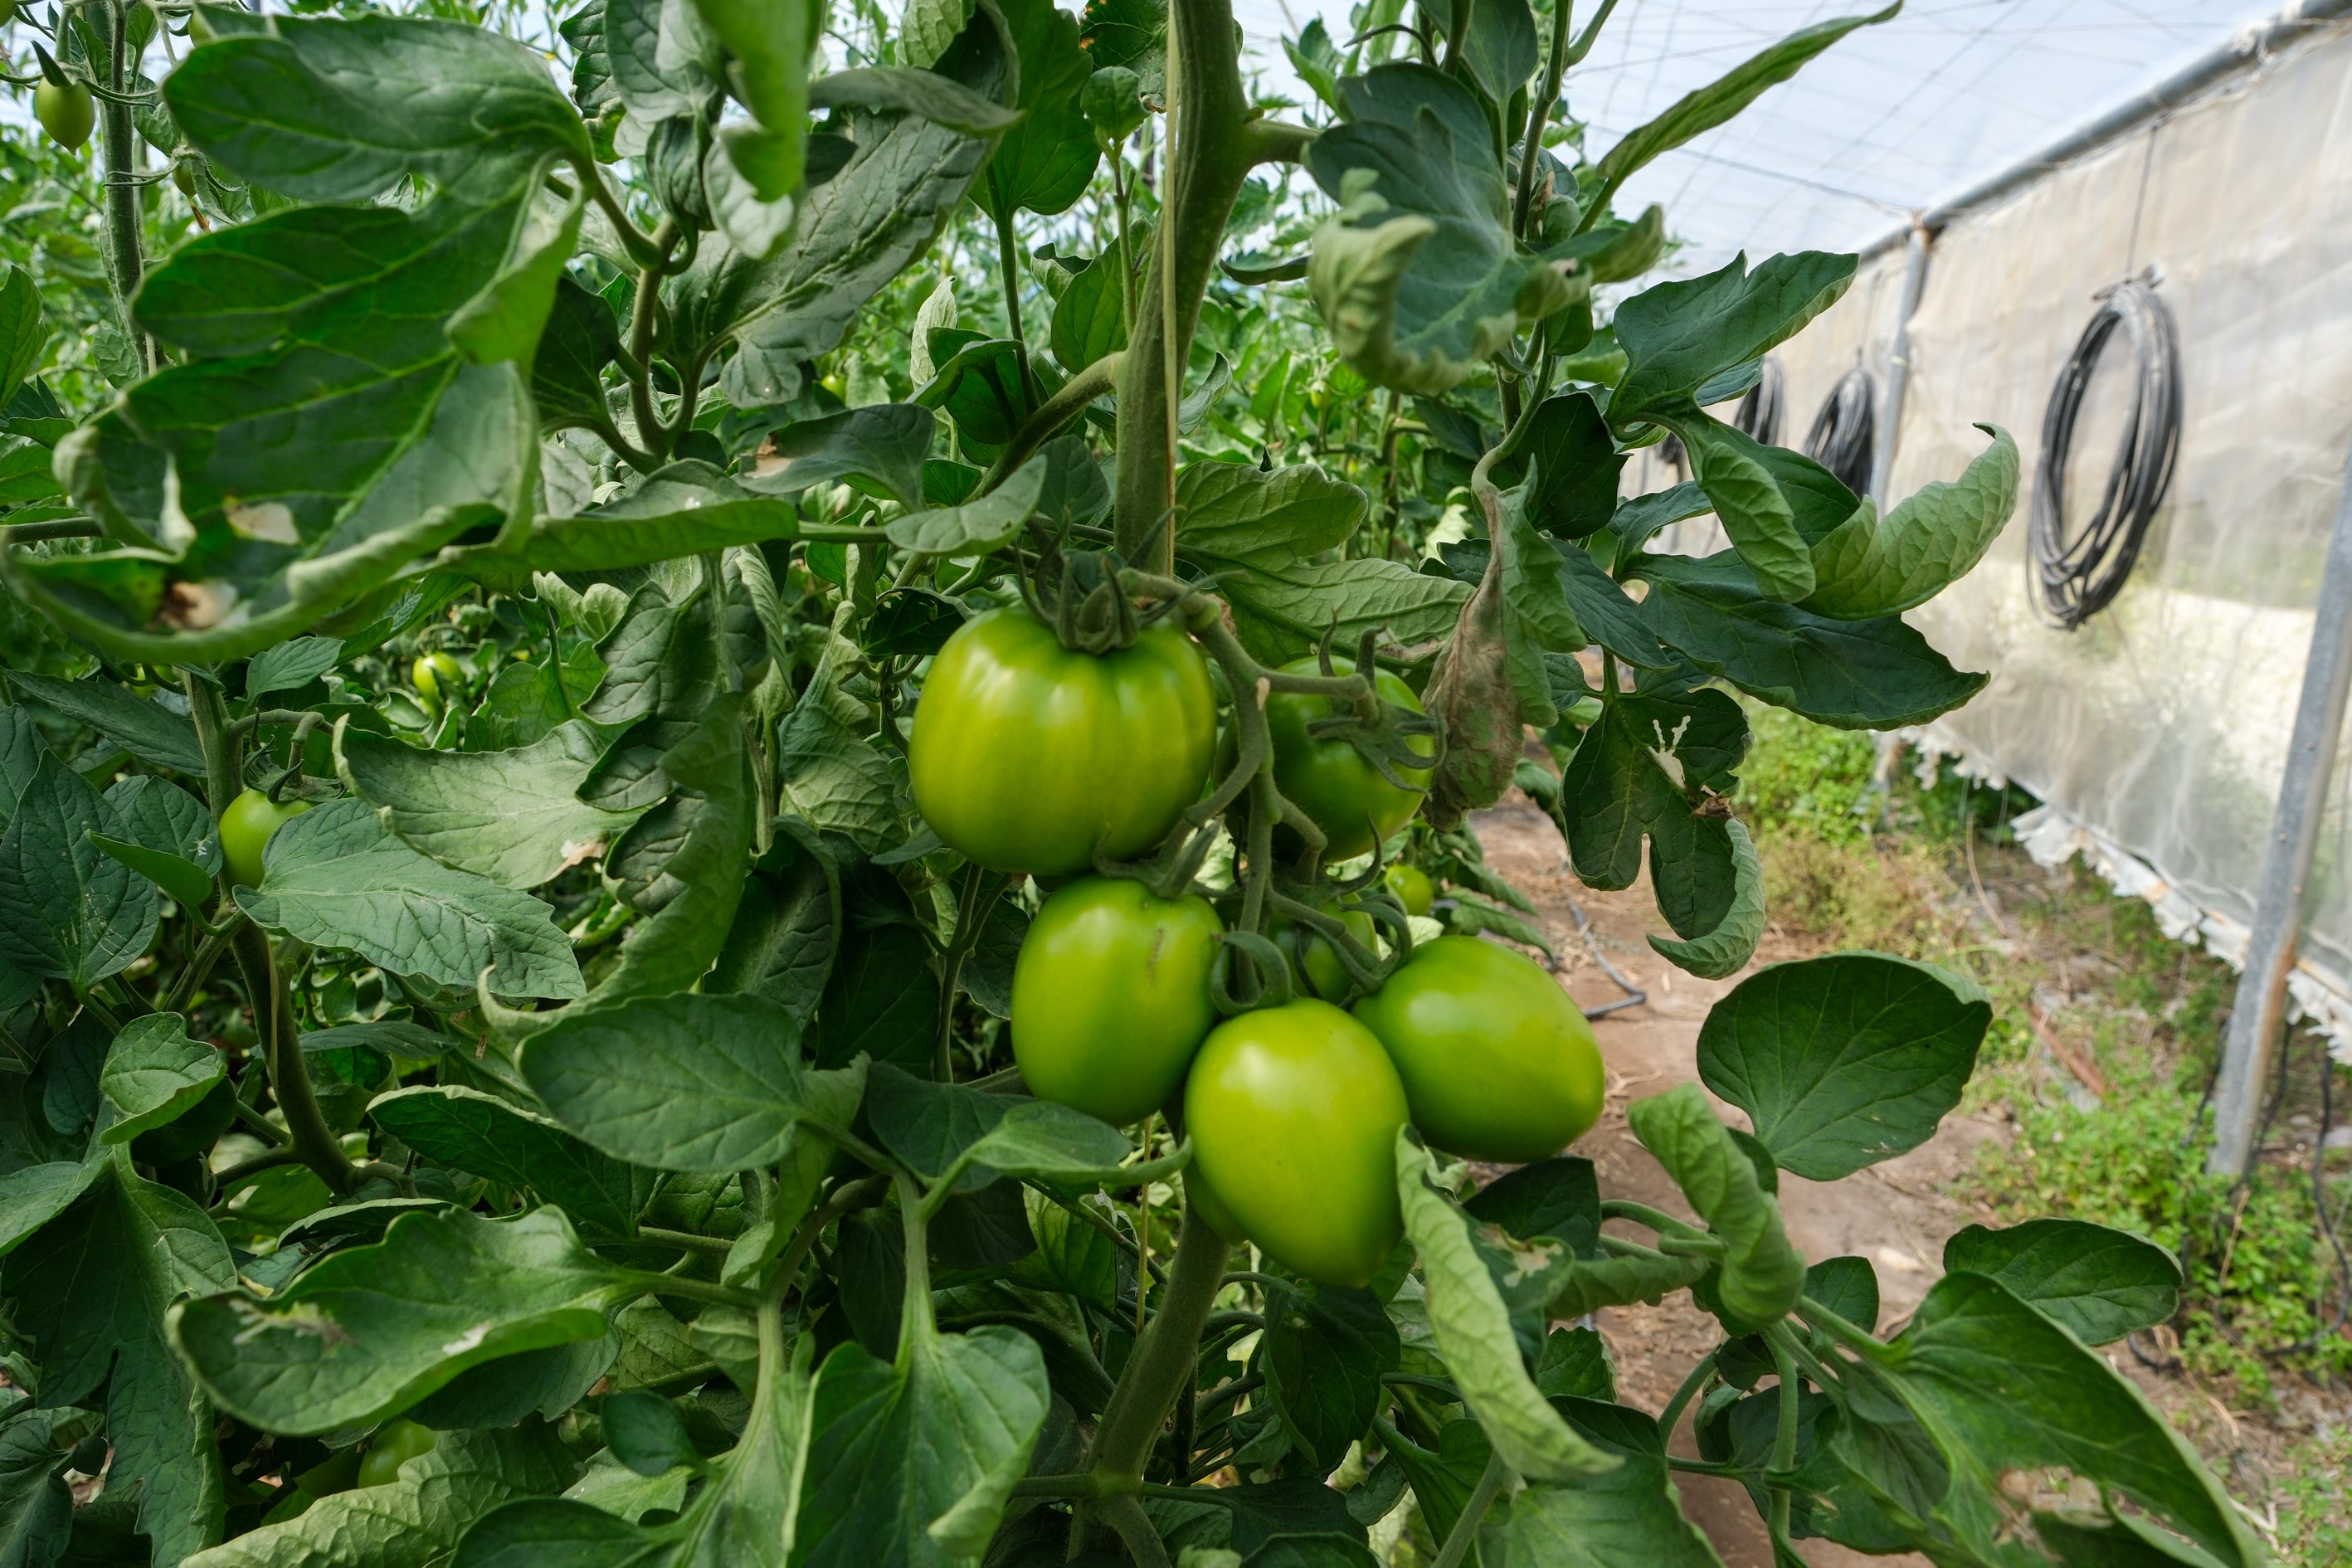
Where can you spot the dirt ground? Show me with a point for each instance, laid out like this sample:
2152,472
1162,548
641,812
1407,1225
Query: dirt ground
1893,1214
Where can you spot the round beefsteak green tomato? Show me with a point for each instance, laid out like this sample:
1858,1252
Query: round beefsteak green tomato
1293,1112
1027,756
1497,1060
64,111
395,1444
1317,961
247,828
1110,996
1326,778
1412,887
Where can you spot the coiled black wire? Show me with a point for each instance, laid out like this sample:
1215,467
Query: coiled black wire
1844,437
2077,573
1759,413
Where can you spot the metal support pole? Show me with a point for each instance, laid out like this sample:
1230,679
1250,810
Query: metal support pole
1898,364
2259,1016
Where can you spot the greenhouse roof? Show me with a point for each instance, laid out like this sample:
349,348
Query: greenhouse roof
1890,120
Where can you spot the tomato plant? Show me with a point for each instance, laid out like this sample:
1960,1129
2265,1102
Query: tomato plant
774,1017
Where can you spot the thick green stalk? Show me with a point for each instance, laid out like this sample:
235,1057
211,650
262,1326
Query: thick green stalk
210,716
125,257
1216,146
289,1077
1466,1529
1161,1366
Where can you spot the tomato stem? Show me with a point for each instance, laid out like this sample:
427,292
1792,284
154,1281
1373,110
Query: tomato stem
1161,1366
1466,1529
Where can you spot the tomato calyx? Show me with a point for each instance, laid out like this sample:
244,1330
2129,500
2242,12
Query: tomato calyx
1088,604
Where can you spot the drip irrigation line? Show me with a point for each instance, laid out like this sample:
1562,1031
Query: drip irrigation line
1844,436
2077,573
1761,411
1634,996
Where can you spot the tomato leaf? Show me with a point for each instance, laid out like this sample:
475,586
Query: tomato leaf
882,446
66,909
1871,566
372,1330
1630,1514
1043,163
512,816
154,1074
976,526
89,1293
1325,1352
2096,1282
474,1131
1761,1275
1845,1060
1677,336
1474,1329
144,728
683,1083
1726,950
335,876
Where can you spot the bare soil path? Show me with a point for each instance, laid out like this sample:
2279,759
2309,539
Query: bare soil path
1895,1214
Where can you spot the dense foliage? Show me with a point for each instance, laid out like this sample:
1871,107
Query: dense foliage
614,761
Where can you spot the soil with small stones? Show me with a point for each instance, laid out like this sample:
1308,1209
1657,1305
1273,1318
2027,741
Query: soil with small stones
1897,1215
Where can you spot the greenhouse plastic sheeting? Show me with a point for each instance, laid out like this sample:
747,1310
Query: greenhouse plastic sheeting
2158,730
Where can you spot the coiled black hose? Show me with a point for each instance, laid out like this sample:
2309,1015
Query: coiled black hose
2077,573
1844,437
1759,413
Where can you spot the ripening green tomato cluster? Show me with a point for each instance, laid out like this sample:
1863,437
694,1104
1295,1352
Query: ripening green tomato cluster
246,830
1026,756
1329,779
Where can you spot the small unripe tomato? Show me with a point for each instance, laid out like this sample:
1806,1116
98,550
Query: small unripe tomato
1026,756
1110,996
1326,778
1317,962
437,677
395,1443
1412,887
1497,1060
247,828
66,113
183,178
1293,1112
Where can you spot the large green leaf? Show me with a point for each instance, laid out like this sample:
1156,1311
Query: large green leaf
1500,48
882,446
2096,1281
168,836
486,1136
36,1508
154,1074
913,1462
147,729
1642,770
1762,1275
1857,675
1233,515
1535,618
1044,163
372,1330
684,509
1473,1325
1699,111
684,1082
24,337
332,110
1845,1060
856,232
984,523
90,1294
786,932
1677,336
1090,318
1726,950
335,876
1631,1516
1990,1376
415,1521
1285,612
1574,466
1325,1352
511,817
1418,277
1872,566
66,909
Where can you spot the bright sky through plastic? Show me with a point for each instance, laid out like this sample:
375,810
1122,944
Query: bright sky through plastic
1893,117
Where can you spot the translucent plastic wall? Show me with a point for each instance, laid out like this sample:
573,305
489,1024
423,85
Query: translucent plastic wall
2160,729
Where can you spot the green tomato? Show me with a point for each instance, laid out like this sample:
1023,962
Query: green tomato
65,112
246,826
395,1443
1026,756
1319,965
437,677
1412,887
1329,779
1293,1112
1110,996
1497,1060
